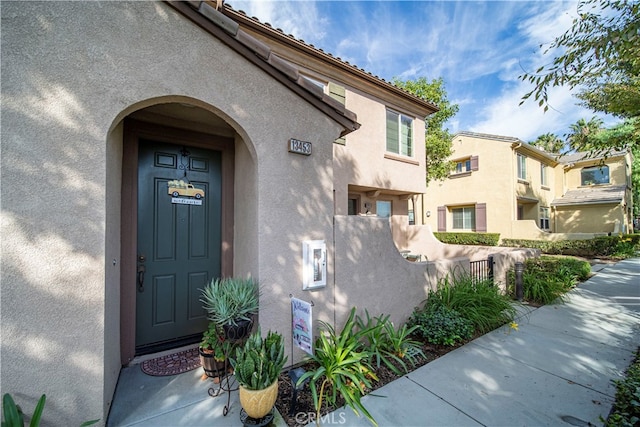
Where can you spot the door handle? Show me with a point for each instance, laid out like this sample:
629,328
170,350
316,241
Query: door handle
141,271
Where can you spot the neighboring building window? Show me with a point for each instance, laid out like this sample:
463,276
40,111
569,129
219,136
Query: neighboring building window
595,175
383,208
543,175
522,167
412,218
464,218
399,134
353,206
463,166
544,218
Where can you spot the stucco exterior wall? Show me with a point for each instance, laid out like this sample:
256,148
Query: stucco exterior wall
374,276
71,72
590,219
486,185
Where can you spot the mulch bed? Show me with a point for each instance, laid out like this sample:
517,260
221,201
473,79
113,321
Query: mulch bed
304,405
172,364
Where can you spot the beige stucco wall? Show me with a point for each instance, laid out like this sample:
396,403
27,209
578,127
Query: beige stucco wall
492,184
373,275
419,240
590,219
363,161
70,73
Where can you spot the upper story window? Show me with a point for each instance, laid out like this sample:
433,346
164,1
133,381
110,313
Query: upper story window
522,167
595,175
463,166
399,134
544,181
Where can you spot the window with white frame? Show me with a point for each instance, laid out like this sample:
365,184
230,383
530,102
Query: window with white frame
399,134
543,175
463,166
522,167
595,175
464,218
544,218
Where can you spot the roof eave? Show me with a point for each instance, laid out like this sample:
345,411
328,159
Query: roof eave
321,101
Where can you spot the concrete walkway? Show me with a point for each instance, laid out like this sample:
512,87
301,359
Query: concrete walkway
555,370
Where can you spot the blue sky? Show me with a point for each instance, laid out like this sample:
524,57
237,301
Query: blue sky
478,48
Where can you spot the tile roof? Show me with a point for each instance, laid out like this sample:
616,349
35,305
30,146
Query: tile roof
585,156
205,15
426,106
592,195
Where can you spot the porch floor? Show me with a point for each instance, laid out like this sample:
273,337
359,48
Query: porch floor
179,400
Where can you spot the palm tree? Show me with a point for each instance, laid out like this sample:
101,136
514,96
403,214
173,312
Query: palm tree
549,142
582,131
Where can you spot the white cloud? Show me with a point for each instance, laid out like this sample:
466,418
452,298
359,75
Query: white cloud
504,115
301,19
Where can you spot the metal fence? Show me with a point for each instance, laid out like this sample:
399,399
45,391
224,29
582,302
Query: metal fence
482,270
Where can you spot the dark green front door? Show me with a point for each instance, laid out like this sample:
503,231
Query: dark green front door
179,241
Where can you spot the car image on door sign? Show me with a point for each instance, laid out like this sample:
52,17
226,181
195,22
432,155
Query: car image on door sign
178,188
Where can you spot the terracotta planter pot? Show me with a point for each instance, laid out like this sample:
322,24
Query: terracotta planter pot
211,366
258,403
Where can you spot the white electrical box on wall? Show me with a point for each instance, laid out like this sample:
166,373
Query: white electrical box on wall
314,267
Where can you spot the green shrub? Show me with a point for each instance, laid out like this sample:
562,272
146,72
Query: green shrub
626,408
623,246
477,301
483,239
441,325
547,279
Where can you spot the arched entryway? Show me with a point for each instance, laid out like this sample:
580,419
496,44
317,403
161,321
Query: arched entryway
173,242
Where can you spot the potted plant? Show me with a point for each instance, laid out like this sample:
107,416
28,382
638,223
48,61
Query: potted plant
257,365
231,303
213,350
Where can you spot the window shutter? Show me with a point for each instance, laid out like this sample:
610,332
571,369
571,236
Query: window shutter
481,217
338,93
442,218
392,132
474,163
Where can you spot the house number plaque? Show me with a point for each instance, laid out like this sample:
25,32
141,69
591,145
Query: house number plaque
299,147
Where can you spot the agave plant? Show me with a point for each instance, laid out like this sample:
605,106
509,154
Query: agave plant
260,361
230,299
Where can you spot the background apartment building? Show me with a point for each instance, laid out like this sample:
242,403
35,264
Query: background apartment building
504,185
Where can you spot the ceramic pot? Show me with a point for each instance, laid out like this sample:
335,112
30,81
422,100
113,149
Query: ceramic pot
258,403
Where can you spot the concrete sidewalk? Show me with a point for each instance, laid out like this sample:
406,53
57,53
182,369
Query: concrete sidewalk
557,369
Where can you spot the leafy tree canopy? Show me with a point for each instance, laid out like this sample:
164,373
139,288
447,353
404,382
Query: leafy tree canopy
438,138
600,56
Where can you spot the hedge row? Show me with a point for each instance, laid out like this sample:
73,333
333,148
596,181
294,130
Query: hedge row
483,239
606,246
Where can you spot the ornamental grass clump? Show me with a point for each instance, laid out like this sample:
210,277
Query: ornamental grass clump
547,279
478,301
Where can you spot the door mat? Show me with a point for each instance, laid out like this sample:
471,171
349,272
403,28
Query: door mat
172,364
